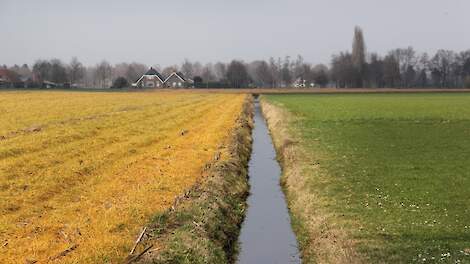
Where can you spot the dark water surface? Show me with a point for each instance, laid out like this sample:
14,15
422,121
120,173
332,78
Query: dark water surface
266,235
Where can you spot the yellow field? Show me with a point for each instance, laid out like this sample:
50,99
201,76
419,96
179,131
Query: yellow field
88,170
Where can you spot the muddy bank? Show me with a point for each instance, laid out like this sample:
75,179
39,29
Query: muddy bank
266,235
320,239
204,223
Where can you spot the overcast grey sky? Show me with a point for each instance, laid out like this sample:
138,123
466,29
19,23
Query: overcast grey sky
166,32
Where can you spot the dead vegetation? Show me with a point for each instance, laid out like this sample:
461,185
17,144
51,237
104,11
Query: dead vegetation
203,224
82,176
320,239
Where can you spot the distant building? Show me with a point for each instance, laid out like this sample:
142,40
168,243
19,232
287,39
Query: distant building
9,79
48,85
153,79
302,83
176,80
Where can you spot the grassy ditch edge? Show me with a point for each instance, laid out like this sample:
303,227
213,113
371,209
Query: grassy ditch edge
203,224
320,239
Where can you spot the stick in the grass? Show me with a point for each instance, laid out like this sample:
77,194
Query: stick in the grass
138,240
135,258
65,252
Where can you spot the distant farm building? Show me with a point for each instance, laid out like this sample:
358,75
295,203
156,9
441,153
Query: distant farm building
48,85
303,83
9,79
176,80
153,79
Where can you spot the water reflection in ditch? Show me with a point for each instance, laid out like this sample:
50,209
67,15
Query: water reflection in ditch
266,235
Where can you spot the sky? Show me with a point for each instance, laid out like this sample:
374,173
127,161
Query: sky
167,32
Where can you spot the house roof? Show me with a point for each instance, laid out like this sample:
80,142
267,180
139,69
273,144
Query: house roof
152,71
48,82
178,74
8,75
181,75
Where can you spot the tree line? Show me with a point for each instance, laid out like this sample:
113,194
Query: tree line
399,68
75,74
237,74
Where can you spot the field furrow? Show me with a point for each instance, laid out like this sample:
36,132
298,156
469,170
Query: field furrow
100,166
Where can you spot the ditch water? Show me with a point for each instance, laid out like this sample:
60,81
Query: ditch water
266,235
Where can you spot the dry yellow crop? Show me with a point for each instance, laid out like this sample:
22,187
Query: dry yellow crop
85,171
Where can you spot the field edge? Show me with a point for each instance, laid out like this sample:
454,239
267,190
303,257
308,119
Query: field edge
203,224
320,240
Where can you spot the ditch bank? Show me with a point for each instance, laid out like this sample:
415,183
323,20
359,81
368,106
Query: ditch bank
203,224
266,235
320,239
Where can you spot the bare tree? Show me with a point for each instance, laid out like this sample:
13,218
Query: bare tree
103,73
237,75
422,79
343,72
58,72
197,68
207,73
169,70
422,62
16,68
76,71
264,74
391,71
41,70
286,73
220,71
135,71
462,69
119,70
375,71
297,66
187,69
442,65
251,69
22,71
407,61
307,74
275,69
90,78
320,75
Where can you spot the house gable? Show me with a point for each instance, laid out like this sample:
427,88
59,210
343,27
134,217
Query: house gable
151,79
175,80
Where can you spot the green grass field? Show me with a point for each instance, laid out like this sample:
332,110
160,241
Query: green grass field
398,168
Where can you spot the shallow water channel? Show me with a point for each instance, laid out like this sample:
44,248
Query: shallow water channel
266,235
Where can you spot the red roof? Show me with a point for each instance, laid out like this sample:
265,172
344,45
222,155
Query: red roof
9,76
